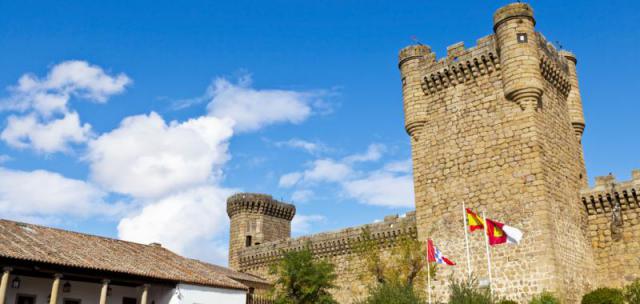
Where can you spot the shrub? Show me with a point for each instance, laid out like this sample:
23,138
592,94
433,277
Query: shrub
507,302
545,297
393,292
604,296
467,292
632,292
302,279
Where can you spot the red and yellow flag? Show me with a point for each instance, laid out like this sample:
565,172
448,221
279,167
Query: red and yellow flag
474,221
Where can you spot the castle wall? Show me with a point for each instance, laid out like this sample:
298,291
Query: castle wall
616,247
338,248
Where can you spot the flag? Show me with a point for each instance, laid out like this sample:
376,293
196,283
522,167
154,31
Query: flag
434,255
474,221
500,233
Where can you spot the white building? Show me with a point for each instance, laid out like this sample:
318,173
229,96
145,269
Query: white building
41,265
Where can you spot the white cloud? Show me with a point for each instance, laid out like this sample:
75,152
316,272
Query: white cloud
302,195
68,78
52,136
252,109
290,179
308,146
49,125
403,166
302,224
42,193
374,152
146,157
327,170
390,186
186,222
382,188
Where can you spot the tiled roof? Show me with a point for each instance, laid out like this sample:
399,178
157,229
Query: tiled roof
66,248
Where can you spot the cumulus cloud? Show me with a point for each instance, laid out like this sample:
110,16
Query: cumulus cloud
302,224
390,186
49,125
252,109
42,193
382,188
184,222
146,157
76,78
52,136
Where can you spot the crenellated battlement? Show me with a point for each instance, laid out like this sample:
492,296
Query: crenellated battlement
461,65
607,193
330,243
260,204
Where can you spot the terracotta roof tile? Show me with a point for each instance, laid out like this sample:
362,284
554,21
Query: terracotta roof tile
49,245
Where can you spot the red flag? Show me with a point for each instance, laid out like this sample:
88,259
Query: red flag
431,252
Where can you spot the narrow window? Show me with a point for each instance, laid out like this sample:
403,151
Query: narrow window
247,242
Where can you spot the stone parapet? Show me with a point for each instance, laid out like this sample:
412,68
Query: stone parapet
607,193
260,204
329,244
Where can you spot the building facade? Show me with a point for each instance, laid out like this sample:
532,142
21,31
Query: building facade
496,127
42,265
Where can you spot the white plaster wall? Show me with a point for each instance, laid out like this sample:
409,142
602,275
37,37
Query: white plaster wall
88,293
192,294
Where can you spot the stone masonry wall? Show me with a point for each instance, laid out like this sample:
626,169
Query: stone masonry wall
616,245
337,247
490,126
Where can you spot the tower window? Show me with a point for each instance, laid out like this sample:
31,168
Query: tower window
522,38
247,242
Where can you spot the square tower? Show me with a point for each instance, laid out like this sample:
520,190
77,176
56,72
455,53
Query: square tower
498,127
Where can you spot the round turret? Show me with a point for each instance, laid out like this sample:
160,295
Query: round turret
412,62
517,43
256,219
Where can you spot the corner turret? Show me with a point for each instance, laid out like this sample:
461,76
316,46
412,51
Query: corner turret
574,99
412,62
255,219
517,44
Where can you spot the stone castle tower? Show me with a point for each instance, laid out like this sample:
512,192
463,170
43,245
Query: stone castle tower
256,219
498,126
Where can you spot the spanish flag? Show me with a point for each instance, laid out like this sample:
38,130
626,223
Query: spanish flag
500,233
474,221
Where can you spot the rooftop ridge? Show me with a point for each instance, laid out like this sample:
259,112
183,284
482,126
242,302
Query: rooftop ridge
24,224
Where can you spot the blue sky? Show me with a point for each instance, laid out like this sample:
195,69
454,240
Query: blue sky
135,119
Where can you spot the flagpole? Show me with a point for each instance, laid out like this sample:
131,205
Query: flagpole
429,278
486,236
466,237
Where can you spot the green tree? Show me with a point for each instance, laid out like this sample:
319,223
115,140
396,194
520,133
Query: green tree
468,292
545,297
604,295
392,292
403,264
632,292
301,279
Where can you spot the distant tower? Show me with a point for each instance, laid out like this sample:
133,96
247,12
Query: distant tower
256,219
498,126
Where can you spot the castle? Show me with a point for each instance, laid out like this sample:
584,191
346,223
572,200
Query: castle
497,126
